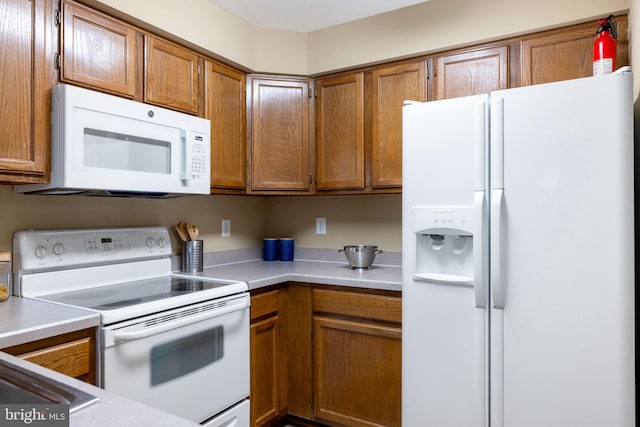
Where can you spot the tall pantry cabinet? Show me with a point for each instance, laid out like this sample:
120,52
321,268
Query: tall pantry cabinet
28,38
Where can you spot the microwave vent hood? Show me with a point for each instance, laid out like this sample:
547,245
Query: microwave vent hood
104,145
102,193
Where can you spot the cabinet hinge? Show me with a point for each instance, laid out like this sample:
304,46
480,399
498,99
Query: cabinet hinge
56,17
310,178
56,61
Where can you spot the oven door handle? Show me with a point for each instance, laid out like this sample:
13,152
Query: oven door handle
120,336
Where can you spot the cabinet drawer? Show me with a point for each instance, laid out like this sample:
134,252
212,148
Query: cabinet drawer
264,304
72,358
378,307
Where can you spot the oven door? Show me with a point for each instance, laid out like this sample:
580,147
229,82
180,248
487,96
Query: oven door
192,361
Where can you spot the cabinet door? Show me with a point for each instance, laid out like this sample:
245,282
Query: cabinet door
357,376
269,359
340,132
171,75
280,145
472,72
265,349
71,354
567,53
391,87
100,51
27,45
225,106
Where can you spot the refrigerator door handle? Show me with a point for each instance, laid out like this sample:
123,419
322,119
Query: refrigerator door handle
497,285
481,138
497,143
479,250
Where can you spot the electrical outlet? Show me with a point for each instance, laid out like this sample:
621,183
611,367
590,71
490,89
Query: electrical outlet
226,228
321,225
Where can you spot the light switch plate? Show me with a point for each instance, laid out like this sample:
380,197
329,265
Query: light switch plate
321,225
226,228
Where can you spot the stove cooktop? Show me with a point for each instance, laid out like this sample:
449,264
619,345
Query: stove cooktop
123,301
113,297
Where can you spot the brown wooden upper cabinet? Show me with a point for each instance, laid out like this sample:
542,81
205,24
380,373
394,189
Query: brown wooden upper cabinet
472,72
224,105
391,86
100,52
279,153
340,132
28,41
567,53
171,75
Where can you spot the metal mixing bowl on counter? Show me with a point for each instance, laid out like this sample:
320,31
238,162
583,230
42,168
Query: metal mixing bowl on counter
360,256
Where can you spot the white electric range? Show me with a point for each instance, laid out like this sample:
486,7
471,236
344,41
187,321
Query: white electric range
171,340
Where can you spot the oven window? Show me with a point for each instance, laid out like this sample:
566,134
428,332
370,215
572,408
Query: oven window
111,150
182,356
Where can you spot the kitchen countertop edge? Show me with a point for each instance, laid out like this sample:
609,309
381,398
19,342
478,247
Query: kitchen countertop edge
24,320
259,274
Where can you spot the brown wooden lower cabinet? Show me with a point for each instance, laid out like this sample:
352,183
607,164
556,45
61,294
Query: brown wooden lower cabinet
327,354
268,345
264,361
71,354
357,372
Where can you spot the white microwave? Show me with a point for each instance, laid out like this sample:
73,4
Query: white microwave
105,145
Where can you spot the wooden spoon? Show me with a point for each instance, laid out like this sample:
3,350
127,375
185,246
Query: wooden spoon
193,231
183,227
181,232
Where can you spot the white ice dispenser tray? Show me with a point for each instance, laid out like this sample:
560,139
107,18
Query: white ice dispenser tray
444,244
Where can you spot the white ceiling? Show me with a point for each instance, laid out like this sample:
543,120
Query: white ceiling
307,15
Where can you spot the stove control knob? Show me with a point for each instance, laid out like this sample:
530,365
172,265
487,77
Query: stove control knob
151,241
162,242
41,251
58,249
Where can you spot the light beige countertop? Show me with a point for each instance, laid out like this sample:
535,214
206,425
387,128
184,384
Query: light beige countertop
24,320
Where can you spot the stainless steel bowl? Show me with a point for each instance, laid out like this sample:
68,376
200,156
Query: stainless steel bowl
360,256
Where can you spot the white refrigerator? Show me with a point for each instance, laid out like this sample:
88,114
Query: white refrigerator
518,258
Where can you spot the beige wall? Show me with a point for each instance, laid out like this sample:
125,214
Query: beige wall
350,220
370,219
248,215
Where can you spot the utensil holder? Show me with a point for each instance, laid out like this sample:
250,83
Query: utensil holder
192,256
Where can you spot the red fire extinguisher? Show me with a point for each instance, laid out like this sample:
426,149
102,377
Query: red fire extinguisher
604,48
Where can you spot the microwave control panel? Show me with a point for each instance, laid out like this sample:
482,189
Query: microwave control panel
197,158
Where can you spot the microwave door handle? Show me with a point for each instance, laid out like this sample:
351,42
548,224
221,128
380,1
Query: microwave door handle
120,336
187,167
